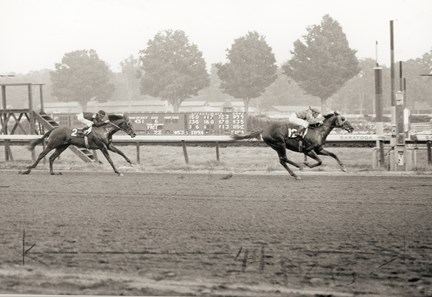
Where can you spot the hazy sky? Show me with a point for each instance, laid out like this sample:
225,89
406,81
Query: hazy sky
35,34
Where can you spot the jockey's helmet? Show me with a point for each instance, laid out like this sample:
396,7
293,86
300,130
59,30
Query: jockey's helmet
314,110
101,112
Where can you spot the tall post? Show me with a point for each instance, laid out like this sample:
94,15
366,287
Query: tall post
379,100
41,97
31,116
5,120
397,141
400,151
392,94
379,125
400,108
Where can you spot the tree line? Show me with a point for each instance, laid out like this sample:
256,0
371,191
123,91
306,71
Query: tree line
171,68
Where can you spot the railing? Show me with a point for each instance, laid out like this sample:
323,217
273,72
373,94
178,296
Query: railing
343,140
206,138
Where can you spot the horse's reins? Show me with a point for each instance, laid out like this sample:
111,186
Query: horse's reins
114,125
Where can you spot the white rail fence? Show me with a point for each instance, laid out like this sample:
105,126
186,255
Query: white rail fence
349,140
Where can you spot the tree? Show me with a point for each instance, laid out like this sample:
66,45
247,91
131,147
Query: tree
213,92
250,70
324,62
81,76
173,69
419,88
358,94
284,92
131,72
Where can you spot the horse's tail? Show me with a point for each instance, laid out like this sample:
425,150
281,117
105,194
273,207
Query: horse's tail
255,134
35,142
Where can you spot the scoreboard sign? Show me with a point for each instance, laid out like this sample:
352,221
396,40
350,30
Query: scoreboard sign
159,123
215,123
196,123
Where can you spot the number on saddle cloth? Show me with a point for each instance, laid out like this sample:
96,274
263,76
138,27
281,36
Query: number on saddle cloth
293,132
79,132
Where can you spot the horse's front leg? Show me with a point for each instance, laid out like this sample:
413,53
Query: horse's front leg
330,154
112,148
314,156
104,151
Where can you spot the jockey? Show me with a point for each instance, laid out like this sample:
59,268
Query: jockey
97,119
305,118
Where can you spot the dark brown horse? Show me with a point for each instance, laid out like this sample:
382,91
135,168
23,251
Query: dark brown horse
280,136
59,138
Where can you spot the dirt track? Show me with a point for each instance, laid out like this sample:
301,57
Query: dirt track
209,234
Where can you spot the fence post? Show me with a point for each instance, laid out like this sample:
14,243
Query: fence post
381,153
429,152
217,151
185,152
138,153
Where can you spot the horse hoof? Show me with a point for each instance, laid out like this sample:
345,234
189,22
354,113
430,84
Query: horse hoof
23,172
297,177
344,169
120,174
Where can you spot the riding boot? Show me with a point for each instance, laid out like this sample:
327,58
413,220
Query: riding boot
87,130
300,145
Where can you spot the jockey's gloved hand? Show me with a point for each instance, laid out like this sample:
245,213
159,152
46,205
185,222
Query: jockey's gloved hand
106,122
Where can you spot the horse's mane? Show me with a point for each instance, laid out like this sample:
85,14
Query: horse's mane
330,114
115,117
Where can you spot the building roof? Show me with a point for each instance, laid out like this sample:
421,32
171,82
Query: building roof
134,106
292,108
194,103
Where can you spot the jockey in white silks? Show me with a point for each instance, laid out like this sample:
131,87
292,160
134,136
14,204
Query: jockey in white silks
305,118
97,119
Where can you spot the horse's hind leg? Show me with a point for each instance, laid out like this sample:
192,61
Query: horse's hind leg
333,155
41,156
283,159
57,153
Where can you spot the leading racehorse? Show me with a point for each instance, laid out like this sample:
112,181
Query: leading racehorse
59,138
281,135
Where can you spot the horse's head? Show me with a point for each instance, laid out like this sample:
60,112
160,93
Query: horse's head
123,123
339,121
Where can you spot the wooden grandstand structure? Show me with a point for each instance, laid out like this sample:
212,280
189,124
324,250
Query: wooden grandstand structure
29,121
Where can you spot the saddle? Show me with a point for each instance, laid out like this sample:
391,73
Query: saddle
80,132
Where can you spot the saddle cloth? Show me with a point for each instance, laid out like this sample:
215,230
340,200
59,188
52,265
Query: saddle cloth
80,134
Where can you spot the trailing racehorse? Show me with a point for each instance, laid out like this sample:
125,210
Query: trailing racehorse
281,136
59,138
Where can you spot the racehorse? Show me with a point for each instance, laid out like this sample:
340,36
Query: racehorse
59,138
281,136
